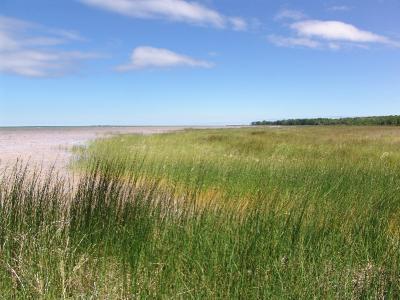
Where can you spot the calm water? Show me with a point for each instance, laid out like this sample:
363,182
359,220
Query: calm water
50,146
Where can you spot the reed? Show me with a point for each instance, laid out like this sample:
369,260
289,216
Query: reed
245,213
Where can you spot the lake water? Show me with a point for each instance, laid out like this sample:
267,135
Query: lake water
50,146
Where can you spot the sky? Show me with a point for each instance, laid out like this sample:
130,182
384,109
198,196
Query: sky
204,62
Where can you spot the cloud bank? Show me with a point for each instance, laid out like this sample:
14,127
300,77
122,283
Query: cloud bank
28,49
145,57
174,10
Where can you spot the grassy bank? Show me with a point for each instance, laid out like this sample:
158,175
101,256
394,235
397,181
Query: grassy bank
242,213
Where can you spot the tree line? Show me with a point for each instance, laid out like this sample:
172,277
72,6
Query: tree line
360,121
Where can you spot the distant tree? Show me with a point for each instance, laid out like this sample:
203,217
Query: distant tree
360,121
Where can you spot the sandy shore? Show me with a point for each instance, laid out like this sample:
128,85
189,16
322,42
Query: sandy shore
50,146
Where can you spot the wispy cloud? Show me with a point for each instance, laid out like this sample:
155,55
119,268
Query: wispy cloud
27,49
282,41
337,31
339,8
174,10
238,24
148,57
328,35
290,15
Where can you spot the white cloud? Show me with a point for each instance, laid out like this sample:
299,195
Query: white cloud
175,10
149,57
289,14
27,49
282,41
337,31
332,35
36,63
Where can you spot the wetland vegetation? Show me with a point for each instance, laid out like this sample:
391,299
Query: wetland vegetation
248,213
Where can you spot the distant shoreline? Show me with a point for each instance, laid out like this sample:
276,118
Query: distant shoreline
393,120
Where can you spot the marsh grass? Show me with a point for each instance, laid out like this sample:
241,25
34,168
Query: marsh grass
245,213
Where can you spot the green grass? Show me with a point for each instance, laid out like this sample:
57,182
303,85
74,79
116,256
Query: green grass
267,213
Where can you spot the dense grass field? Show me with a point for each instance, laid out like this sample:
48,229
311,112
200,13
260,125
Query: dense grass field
250,213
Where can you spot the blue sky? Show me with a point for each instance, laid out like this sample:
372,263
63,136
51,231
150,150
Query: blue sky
168,62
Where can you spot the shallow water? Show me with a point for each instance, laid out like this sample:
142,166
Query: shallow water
50,146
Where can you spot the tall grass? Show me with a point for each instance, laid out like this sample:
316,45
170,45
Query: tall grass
209,214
